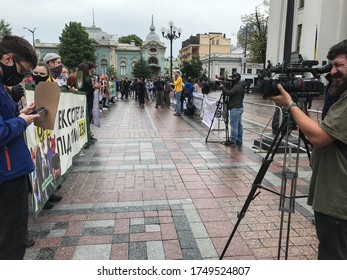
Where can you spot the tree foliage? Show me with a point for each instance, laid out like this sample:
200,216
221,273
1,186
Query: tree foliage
252,36
141,70
111,71
5,28
75,46
192,69
129,38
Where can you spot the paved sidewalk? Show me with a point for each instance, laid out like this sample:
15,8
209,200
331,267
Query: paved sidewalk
152,188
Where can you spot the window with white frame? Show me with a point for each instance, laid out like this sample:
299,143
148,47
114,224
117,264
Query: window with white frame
123,68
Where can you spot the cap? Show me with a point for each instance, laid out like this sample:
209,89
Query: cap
50,56
237,76
91,65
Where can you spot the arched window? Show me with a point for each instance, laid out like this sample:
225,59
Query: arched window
123,68
153,60
104,66
133,65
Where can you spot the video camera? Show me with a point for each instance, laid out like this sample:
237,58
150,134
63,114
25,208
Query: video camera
299,80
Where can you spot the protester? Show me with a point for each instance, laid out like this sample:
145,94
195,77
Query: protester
41,74
17,58
178,83
54,63
159,87
88,87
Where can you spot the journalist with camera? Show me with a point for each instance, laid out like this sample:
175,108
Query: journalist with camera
235,106
328,189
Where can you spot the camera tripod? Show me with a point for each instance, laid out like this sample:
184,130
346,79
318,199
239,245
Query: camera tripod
287,192
221,110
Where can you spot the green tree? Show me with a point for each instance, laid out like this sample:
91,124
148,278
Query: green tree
129,38
192,69
141,69
75,46
5,28
252,36
111,71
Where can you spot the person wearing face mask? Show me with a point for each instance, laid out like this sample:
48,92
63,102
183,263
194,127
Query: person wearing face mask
62,79
17,58
54,63
41,74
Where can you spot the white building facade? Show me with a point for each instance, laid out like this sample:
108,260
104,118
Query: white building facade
320,23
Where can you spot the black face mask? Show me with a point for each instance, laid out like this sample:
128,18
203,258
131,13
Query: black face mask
38,78
10,75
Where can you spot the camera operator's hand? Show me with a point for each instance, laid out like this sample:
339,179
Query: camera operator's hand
284,99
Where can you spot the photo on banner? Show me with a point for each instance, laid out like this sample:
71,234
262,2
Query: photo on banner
52,150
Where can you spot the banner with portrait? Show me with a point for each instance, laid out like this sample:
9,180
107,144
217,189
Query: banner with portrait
52,151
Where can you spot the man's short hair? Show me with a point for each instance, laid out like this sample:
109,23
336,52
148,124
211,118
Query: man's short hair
338,49
19,47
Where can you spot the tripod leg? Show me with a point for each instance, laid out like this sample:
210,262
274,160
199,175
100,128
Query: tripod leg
252,195
214,116
258,180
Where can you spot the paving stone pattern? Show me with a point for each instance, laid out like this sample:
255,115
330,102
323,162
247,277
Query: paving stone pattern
153,188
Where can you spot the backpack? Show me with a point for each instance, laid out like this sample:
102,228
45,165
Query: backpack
190,111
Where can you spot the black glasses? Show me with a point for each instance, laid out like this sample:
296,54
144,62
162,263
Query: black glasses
24,71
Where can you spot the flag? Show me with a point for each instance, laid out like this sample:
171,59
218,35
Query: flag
315,44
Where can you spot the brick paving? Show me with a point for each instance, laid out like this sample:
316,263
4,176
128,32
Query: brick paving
151,187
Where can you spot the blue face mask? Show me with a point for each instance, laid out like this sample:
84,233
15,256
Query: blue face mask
10,75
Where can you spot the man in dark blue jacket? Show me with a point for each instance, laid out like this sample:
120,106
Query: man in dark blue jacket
17,58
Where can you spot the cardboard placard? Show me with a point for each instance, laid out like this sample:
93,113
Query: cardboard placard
47,95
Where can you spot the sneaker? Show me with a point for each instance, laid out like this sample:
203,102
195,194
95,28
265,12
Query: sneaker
92,138
48,205
233,144
239,142
177,114
54,198
29,240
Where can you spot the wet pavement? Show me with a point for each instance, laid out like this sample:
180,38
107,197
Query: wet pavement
151,187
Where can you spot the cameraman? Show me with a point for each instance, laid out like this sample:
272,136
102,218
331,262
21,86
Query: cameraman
235,107
328,190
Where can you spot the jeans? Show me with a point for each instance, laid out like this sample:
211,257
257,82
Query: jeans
178,102
235,116
332,236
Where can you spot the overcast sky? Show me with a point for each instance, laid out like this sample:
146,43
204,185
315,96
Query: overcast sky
128,17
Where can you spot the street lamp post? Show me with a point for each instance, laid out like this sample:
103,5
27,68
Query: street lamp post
171,34
245,53
209,57
32,32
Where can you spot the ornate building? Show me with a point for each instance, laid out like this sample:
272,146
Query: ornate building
122,56
153,51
